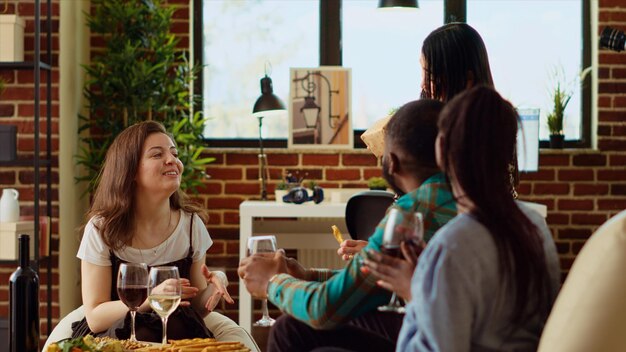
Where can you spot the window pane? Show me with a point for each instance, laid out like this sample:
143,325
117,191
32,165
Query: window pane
383,49
527,41
239,37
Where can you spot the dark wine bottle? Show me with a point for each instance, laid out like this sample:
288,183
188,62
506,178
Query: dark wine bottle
24,304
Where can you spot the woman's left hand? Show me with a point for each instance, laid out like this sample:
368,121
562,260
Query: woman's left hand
394,274
219,291
187,292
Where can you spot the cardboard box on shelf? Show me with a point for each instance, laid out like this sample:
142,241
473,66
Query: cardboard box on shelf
12,37
9,233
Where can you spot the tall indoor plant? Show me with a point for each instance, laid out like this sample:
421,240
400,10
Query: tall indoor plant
139,74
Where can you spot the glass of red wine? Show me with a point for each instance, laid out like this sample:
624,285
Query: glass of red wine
401,226
132,288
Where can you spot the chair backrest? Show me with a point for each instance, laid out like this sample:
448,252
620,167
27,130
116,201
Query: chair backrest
590,311
364,211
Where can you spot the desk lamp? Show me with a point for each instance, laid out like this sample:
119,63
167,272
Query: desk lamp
268,104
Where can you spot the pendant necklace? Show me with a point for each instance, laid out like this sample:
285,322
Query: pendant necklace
155,249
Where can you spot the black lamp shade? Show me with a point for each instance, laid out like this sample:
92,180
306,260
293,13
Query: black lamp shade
397,3
268,100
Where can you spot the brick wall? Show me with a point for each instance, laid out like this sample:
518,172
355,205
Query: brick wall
17,108
582,188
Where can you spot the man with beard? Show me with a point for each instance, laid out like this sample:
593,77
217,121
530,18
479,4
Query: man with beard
338,308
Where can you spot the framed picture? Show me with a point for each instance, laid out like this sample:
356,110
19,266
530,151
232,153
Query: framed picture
320,108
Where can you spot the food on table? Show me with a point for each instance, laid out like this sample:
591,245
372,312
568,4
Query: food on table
337,234
95,344
197,345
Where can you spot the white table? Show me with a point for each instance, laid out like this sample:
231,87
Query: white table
296,226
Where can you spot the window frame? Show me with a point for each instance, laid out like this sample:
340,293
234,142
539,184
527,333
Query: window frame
331,55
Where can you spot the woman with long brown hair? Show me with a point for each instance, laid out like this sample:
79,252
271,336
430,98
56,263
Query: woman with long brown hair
140,215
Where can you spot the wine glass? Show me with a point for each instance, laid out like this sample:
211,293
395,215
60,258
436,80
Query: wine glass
132,288
402,225
165,292
262,244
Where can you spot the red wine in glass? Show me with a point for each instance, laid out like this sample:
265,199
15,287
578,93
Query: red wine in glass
391,250
132,288
402,225
133,295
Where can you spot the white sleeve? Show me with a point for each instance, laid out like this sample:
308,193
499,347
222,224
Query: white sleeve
201,239
92,249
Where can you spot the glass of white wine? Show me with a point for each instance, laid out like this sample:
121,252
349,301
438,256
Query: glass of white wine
165,292
262,244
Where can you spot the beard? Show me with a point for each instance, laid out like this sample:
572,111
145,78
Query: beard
390,179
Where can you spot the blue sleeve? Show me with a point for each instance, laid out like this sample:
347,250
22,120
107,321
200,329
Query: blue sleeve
439,318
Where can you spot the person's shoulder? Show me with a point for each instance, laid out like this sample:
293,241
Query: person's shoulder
437,185
460,232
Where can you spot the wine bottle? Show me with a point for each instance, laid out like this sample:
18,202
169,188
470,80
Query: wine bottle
24,304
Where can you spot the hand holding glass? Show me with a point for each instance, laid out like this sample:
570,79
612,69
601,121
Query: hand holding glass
262,244
165,293
132,288
401,226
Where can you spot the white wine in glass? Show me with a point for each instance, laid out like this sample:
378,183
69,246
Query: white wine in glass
401,226
165,293
132,288
262,244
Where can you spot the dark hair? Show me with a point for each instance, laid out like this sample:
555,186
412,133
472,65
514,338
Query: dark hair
113,199
479,130
450,53
413,129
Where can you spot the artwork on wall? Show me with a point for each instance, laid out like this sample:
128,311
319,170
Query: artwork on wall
320,108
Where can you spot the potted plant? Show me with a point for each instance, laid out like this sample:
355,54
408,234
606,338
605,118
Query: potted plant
377,183
140,74
560,99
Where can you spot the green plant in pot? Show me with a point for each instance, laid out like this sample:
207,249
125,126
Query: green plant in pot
377,183
139,74
560,99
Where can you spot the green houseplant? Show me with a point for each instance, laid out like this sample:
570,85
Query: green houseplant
560,99
377,183
138,75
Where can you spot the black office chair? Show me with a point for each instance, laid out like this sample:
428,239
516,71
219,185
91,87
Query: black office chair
364,211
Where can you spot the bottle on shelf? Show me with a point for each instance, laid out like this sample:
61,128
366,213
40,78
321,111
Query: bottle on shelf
24,304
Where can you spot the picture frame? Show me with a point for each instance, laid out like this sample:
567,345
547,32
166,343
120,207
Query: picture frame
320,110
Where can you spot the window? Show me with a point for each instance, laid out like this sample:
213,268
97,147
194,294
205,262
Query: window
529,44
383,48
239,38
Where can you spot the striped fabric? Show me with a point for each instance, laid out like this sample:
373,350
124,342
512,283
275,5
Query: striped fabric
330,298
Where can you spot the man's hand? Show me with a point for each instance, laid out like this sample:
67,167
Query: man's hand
257,269
295,269
348,248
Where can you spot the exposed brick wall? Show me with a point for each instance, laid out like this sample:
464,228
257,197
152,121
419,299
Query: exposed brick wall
17,108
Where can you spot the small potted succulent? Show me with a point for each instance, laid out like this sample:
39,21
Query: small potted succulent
377,183
560,99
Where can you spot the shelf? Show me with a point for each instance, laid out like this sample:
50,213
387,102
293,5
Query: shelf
23,65
24,162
